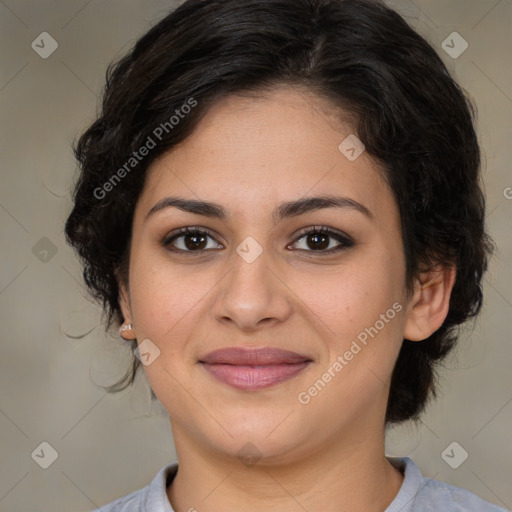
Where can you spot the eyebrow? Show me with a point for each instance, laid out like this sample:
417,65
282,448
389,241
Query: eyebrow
282,211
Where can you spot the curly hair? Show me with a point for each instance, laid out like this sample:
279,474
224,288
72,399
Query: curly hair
361,56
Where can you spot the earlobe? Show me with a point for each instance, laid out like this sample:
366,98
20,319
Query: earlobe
126,331
430,304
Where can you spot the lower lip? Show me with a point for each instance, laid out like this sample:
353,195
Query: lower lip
254,377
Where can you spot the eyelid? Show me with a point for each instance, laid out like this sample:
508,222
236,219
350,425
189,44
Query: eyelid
323,229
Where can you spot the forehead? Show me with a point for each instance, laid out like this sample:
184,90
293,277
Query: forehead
251,152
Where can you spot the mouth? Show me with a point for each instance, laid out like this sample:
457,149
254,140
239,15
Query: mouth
253,369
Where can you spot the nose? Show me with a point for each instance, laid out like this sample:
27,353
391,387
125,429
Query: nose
253,295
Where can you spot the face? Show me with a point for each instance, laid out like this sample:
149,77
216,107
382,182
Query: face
323,281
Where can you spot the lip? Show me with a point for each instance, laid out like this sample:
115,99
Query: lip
253,369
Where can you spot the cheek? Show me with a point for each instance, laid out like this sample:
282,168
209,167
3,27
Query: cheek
163,306
347,301
365,319
163,294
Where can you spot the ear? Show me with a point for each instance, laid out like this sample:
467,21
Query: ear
429,305
124,299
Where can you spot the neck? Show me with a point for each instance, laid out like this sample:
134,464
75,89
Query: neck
350,474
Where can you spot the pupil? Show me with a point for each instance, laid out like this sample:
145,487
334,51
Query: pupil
194,239
316,238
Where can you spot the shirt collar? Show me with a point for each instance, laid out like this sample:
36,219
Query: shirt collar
411,485
156,498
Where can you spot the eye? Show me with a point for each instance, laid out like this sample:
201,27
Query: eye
317,238
194,240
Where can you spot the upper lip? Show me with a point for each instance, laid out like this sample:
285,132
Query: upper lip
253,356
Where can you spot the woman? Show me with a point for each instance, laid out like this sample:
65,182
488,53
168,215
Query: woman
280,206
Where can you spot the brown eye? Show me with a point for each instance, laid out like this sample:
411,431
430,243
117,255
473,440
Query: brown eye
188,240
319,239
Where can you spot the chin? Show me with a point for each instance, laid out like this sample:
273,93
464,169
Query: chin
262,439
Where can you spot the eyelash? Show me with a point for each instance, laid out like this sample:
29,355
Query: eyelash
345,241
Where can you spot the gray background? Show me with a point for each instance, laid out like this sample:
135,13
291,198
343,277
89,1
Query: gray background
54,349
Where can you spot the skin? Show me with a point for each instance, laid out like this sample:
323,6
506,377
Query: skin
249,155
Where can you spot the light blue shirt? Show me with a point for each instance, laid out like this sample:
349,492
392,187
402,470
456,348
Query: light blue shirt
417,494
